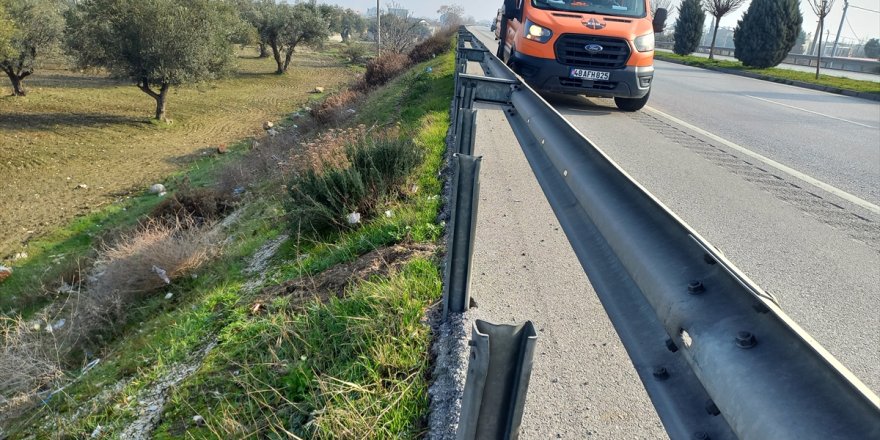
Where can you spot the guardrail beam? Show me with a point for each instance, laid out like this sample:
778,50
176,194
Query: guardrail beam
497,381
464,199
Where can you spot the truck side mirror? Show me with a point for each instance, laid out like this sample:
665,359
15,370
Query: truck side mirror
508,11
660,20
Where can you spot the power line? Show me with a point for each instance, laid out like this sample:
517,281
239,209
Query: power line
865,9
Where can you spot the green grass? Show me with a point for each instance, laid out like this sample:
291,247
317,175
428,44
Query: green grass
774,73
351,367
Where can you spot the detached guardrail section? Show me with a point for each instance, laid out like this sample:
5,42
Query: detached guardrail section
716,354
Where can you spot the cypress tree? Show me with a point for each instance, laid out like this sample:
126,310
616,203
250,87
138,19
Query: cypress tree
767,32
688,27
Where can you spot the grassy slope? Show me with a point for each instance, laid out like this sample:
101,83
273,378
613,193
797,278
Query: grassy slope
354,367
222,113
773,72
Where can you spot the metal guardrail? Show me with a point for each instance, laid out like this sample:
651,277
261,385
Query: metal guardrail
717,355
497,380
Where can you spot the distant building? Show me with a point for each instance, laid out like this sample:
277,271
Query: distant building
400,12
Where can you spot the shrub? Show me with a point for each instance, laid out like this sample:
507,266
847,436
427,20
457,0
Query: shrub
327,151
335,107
872,48
139,264
376,168
767,32
27,365
688,27
355,52
384,164
433,46
384,68
200,205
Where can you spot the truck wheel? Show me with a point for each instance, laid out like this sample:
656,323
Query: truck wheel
632,104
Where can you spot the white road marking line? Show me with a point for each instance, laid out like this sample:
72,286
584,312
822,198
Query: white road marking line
785,169
810,111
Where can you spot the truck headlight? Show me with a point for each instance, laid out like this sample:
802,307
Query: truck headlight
538,33
645,43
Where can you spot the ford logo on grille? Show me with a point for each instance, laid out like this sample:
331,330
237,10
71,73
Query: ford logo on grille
594,48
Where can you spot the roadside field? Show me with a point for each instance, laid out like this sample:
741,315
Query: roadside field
78,142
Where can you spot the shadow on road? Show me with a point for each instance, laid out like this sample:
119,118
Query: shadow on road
580,104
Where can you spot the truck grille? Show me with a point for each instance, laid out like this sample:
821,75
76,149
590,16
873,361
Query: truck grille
571,51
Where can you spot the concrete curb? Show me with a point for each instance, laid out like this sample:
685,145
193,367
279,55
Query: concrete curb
835,90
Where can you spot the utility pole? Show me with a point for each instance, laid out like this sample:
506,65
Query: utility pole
815,39
839,28
378,29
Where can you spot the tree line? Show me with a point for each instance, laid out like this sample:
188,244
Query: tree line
763,37
160,44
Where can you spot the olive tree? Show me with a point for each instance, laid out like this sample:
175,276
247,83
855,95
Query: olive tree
7,32
342,21
351,23
155,43
292,25
32,28
258,14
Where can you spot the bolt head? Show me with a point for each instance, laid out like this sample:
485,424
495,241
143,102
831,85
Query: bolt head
745,340
661,373
695,287
711,408
701,435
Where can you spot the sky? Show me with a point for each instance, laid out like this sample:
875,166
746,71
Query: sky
861,24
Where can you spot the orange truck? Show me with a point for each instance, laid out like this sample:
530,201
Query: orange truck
584,47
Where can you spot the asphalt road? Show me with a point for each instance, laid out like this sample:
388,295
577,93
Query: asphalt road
785,181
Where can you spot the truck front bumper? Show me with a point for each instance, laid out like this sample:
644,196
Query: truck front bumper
548,75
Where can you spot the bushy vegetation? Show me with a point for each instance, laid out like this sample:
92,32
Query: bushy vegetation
431,47
385,67
767,32
336,107
355,52
375,168
872,48
689,27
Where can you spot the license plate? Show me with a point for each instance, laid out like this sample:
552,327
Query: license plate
590,74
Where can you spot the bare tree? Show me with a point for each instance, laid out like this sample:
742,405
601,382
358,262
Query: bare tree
398,33
451,16
718,9
821,8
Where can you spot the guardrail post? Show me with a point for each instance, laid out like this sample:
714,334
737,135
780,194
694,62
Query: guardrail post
497,381
462,229
465,133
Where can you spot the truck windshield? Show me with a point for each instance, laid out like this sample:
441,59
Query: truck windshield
624,8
